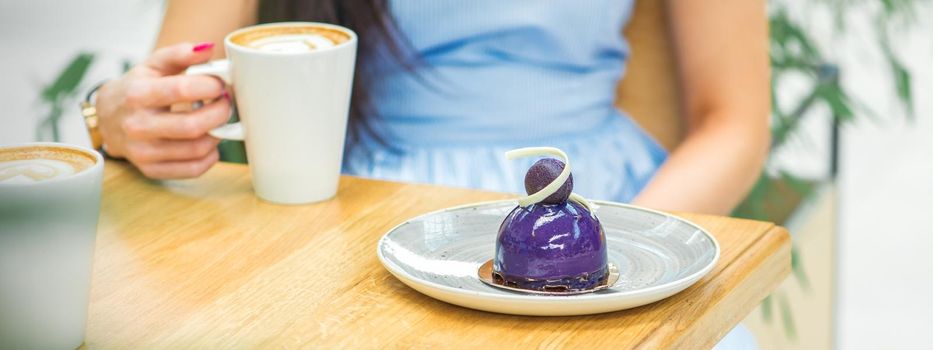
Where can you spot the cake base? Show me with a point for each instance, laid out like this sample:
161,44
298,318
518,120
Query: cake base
490,277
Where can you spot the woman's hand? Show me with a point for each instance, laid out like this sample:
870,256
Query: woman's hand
137,120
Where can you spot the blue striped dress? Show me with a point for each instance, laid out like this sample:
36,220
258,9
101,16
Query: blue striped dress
499,75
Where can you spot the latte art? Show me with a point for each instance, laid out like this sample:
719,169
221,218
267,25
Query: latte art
292,43
34,170
290,38
31,164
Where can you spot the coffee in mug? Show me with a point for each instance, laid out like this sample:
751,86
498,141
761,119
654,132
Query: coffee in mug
49,205
291,84
290,39
24,165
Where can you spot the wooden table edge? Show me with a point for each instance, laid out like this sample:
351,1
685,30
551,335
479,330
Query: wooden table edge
771,270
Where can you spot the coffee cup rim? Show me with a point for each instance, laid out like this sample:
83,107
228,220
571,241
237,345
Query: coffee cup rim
231,46
98,162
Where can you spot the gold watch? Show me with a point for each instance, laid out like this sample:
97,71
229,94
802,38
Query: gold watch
91,121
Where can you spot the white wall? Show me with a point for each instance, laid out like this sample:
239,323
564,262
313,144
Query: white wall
886,240
39,37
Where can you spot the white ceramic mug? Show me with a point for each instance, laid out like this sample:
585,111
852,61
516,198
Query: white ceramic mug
48,225
293,108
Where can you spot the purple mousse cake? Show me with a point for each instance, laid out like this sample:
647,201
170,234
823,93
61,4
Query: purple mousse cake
556,244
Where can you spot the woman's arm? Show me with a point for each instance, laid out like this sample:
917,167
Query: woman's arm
722,55
205,21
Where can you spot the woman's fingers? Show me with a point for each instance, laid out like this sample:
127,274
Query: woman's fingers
137,123
165,145
175,59
165,91
186,125
179,169
170,150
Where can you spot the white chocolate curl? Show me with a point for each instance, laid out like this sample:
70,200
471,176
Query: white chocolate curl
583,201
554,185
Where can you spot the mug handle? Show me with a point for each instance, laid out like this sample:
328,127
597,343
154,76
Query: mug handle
221,70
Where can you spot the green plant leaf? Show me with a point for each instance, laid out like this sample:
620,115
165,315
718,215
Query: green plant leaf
900,75
767,308
44,129
838,101
68,80
788,38
775,106
796,266
797,184
888,6
752,207
897,11
787,317
902,83
788,124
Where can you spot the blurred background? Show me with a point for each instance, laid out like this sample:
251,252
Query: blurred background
851,173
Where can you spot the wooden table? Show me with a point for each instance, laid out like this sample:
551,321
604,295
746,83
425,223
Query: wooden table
204,264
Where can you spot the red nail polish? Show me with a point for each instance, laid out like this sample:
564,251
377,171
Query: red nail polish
202,46
226,95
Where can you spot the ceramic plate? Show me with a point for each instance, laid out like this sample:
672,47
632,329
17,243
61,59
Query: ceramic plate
438,254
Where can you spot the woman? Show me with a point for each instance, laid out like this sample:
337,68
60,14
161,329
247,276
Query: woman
445,87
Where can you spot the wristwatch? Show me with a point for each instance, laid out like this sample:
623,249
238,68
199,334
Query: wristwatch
91,121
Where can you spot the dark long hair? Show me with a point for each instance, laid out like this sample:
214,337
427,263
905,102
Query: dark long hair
378,36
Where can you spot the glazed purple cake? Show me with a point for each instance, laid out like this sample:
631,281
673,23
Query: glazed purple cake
556,244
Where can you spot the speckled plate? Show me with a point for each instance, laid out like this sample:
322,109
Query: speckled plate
438,254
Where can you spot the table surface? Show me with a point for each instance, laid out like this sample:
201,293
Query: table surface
205,264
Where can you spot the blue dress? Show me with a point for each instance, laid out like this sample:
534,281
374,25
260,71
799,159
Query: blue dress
499,75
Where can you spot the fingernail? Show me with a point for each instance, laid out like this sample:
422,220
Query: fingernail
226,95
202,46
